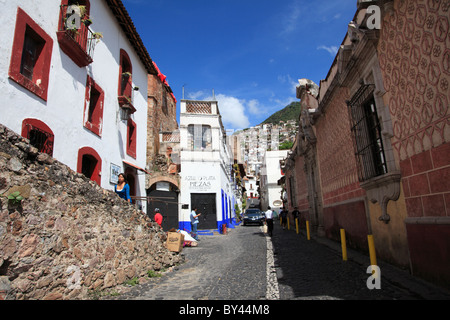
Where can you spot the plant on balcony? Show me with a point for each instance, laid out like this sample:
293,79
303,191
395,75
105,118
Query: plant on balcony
87,22
98,36
81,11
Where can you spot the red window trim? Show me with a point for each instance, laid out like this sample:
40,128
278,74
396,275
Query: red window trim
96,124
42,67
131,139
124,57
79,46
125,87
66,2
35,123
96,175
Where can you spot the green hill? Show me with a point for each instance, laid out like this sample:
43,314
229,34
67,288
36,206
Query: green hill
290,112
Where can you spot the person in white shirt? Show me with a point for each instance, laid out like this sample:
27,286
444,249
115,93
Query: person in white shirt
194,222
269,220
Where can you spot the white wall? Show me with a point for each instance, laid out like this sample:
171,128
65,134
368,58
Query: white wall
271,173
206,163
63,111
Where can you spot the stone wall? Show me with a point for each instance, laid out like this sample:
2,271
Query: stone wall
160,118
68,238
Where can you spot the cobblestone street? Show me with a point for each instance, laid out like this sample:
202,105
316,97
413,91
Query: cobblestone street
220,268
234,267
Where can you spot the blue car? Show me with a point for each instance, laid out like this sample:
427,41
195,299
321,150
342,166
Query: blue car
254,216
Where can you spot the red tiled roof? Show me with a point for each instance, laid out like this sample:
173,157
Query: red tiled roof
120,12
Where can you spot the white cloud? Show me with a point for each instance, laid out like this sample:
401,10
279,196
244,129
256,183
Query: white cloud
291,18
236,113
195,95
233,112
288,80
331,50
253,106
231,109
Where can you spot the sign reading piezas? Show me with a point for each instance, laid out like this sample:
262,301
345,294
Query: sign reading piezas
200,183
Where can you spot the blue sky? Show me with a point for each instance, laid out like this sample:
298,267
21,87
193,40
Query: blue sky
251,52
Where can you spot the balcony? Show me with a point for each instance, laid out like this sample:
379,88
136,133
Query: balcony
126,93
78,44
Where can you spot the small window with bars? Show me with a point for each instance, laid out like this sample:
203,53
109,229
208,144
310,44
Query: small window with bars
366,132
39,134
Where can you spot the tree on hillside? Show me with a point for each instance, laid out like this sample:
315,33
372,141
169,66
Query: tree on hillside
286,145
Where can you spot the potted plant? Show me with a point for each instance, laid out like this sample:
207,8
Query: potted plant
97,35
87,22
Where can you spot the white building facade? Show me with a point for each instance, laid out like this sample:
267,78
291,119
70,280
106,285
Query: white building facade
254,142
251,187
271,172
206,182
77,90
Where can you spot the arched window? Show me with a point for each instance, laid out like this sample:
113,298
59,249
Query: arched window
125,94
125,75
39,134
90,164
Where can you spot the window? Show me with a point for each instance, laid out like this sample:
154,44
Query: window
77,44
131,138
125,94
125,75
32,49
93,107
39,134
199,137
367,138
31,56
90,164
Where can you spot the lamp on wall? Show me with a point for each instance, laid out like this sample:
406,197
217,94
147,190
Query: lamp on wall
126,109
125,113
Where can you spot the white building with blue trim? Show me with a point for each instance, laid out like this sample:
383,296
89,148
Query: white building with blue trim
206,160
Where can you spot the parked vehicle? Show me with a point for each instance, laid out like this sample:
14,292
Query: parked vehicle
253,216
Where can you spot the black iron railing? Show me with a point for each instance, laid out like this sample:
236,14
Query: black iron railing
366,132
40,139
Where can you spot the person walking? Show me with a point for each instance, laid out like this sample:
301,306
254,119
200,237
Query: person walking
283,216
122,188
295,214
158,217
269,220
194,222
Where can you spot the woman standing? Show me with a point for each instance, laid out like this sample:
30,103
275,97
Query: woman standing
122,188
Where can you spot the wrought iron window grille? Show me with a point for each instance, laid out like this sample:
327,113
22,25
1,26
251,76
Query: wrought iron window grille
366,134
